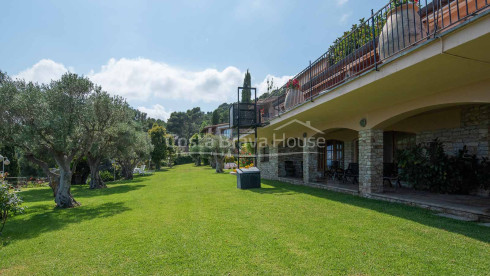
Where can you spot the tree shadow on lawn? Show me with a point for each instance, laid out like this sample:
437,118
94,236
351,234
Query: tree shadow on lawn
416,214
138,176
113,189
81,191
46,219
136,179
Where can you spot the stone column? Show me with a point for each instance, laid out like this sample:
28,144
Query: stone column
370,161
310,160
348,153
269,169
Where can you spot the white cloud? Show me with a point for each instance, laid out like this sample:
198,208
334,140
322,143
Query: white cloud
345,17
341,2
143,79
278,82
43,72
149,83
245,10
156,111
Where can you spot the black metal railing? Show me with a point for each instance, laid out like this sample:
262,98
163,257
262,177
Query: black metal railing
395,27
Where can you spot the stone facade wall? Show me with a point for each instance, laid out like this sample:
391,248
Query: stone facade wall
370,161
268,170
310,161
348,153
473,132
293,154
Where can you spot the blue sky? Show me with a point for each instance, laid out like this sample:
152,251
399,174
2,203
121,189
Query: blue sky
166,56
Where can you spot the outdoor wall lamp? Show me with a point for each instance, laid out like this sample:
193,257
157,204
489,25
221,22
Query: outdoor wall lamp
363,122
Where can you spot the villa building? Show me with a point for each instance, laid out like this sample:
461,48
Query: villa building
219,129
407,75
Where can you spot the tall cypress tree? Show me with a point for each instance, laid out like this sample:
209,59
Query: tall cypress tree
160,148
215,118
246,93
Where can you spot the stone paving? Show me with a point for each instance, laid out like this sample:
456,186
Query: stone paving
470,206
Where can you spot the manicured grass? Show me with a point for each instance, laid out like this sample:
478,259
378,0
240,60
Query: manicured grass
189,220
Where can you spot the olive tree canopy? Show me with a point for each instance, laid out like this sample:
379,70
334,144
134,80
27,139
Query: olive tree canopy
49,119
105,115
131,146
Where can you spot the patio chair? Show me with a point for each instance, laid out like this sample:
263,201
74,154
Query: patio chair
335,171
229,166
138,171
353,172
390,173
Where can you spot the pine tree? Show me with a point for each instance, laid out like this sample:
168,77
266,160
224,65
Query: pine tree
246,93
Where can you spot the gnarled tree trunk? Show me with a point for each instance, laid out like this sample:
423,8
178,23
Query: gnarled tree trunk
63,197
158,164
95,179
219,160
212,161
127,168
54,182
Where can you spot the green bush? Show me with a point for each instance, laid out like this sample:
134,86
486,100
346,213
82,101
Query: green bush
467,173
230,159
483,174
34,184
106,176
183,159
428,167
9,205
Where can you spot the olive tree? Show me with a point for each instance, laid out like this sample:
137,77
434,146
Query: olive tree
194,149
218,147
171,149
50,118
11,127
104,115
205,149
131,146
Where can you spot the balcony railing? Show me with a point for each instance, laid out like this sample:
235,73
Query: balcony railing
387,32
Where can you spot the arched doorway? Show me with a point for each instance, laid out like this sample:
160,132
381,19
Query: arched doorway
337,150
334,153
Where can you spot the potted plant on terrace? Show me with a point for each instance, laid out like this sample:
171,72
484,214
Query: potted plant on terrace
402,27
294,96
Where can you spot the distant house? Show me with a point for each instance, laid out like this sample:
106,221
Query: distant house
219,129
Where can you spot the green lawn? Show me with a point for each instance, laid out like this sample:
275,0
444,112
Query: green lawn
189,220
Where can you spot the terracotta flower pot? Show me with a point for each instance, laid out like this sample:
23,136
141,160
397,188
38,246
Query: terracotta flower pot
293,98
403,27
